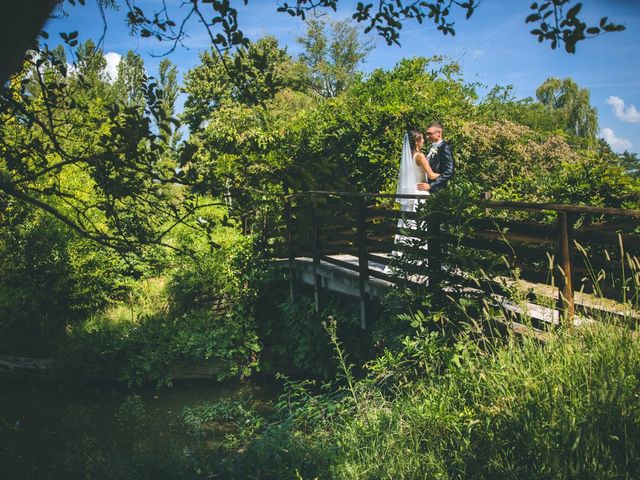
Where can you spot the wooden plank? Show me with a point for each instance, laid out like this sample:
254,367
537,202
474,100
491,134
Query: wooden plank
375,244
380,259
363,275
338,219
514,237
562,208
339,250
520,252
382,276
631,241
337,243
513,226
382,228
334,237
610,226
340,263
315,248
383,213
536,276
290,247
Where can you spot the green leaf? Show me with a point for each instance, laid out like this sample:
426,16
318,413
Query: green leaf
573,11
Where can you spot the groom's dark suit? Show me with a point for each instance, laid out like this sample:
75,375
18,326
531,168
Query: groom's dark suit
441,162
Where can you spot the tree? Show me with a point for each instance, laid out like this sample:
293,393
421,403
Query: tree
53,126
72,147
298,141
249,76
331,60
630,162
168,94
131,80
573,102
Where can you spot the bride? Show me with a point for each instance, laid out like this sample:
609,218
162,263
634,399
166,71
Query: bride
414,169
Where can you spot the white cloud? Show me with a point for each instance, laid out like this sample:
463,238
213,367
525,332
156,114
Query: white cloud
630,114
71,69
113,59
617,144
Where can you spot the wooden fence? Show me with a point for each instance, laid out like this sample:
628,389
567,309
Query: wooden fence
574,248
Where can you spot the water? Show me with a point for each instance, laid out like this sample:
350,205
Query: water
48,431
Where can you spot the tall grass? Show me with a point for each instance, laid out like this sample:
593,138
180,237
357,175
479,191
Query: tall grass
566,408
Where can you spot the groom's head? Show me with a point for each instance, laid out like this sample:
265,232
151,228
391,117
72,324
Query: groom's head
434,132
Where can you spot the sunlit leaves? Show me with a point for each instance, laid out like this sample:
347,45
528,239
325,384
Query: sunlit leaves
92,153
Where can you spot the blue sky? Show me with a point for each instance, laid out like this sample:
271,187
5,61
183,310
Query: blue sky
494,47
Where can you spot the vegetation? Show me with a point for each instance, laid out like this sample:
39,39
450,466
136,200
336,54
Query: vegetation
438,409
439,405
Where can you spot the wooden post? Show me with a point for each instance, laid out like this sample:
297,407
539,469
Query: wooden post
289,222
315,248
485,197
434,252
564,274
363,261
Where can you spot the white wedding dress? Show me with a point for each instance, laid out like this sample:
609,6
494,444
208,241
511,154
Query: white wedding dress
412,206
409,176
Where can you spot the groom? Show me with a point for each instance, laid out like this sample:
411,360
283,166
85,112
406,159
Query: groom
440,158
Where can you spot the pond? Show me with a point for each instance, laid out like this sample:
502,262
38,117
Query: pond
107,431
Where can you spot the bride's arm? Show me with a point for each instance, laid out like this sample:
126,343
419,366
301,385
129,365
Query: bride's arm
422,161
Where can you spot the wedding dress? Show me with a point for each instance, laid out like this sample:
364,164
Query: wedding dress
409,176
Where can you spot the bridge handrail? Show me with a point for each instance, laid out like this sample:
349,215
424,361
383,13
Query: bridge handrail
563,253
497,204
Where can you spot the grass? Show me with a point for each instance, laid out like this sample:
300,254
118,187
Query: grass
451,403
569,408
447,402
147,299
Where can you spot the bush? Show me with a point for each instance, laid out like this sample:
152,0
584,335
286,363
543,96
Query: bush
206,315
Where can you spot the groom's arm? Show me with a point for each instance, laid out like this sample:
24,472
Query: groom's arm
446,169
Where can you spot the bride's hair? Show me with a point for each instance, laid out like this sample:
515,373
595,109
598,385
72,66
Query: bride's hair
414,136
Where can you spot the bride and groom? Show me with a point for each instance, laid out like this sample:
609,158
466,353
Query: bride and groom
421,175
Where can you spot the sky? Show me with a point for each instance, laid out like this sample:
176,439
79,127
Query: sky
494,47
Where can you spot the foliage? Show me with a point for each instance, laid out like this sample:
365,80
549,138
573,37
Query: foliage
233,422
519,409
500,104
52,278
630,162
515,162
206,317
295,143
83,149
386,18
292,333
565,28
331,61
573,102
264,68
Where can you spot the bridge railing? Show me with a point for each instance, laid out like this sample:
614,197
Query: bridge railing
572,248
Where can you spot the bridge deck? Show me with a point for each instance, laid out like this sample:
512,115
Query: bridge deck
342,280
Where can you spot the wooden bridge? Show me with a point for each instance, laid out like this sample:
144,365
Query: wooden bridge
360,244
